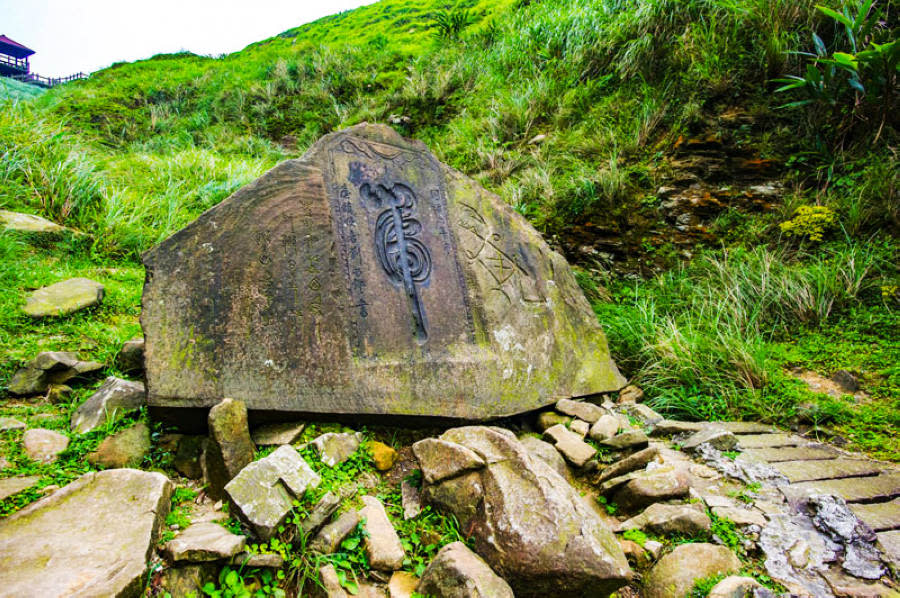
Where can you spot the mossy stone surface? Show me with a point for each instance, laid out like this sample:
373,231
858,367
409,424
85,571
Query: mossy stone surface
64,298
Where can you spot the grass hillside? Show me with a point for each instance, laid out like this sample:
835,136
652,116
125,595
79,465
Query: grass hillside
580,114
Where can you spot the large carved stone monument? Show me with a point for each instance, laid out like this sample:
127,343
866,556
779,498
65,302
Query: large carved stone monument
367,278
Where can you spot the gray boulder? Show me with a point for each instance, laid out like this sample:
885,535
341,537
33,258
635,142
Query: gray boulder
47,369
124,449
114,398
93,537
29,223
43,445
457,572
604,428
629,439
649,487
262,492
331,536
633,462
547,453
527,522
718,438
202,542
383,545
439,459
570,445
131,357
229,449
688,520
734,586
335,448
675,573
584,411
64,298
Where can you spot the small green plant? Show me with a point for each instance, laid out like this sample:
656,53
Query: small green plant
254,583
449,24
635,535
702,587
610,507
810,222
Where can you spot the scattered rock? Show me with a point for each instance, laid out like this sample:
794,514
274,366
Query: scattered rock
688,520
580,427
675,573
330,583
633,462
580,409
402,584
630,394
14,485
740,517
383,545
635,554
605,427
630,439
411,499
230,448
653,486
262,492
58,394
831,515
719,439
457,572
44,445
669,427
186,580
28,223
331,536
48,368
642,412
439,459
125,449
265,560
528,523
383,455
131,356
277,434
335,448
547,453
548,419
845,585
320,513
654,548
10,423
92,538
64,298
188,456
202,542
570,444
846,380
734,587
114,398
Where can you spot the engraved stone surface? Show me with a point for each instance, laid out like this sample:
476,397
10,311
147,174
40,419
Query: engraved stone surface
362,278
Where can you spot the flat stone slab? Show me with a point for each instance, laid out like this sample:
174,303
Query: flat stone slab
850,489
10,486
879,516
44,445
93,537
11,423
28,223
790,453
669,427
359,279
745,427
805,471
64,297
202,542
754,441
276,434
889,543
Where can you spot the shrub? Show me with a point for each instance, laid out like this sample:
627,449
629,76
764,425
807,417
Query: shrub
810,222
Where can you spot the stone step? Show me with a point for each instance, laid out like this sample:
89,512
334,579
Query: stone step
790,453
669,427
850,489
889,543
754,441
805,471
746,427
879,516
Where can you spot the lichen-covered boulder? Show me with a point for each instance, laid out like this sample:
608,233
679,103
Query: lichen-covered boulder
359,279
230,447
47,369
457,572
675,573
529,524
64,297
93,537
114,398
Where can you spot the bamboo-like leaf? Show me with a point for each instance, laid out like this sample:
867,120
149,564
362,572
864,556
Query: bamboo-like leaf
820,45
846,22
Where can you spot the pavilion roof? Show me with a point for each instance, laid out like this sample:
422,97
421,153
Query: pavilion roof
14,48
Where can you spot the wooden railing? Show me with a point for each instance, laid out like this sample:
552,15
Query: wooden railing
48,81
16,63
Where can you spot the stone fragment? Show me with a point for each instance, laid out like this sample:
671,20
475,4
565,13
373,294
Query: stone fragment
650,488
402,584
28,223
411,500
230,448
636,555
320,513
49,368
668,427
43,445
719,439
734,586
28,381
675,573
741,517
580,427
547,453
417,305
11,423
124,449
383,455
633,462
262,492
457,572
642,412
335,448
580,409
804,471
202,542
630,439
63,298
778,439
548,419
654,547
93,537
131,356
330,537
186,580
528,523
571,446
116,397
383,545
331,583
439,459
689,520
604,428
276,434
188,456
630,394
14,485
